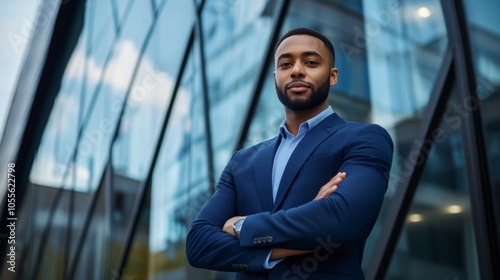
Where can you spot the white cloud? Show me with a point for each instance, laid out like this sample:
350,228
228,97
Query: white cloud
152,87
49,172
118,71
121,66
76,66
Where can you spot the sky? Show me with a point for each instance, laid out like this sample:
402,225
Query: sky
16,22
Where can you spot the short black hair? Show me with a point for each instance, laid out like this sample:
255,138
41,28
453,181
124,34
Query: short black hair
310,32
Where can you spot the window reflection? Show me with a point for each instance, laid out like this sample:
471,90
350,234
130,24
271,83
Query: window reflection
151,91
485,38
235,34
437,240
180,181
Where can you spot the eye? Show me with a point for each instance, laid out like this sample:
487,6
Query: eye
311,63
285,64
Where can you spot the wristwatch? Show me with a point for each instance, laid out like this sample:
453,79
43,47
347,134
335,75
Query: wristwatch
237,227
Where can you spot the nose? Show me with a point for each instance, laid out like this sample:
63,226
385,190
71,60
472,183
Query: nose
297,71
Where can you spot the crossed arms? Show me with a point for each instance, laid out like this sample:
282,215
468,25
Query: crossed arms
280,253
338,214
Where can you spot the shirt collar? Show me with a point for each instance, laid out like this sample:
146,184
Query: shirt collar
308,125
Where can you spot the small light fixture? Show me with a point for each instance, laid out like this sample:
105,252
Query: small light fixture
454,209
424,12
415,218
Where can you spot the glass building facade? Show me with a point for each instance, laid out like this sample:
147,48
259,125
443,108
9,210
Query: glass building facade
126,112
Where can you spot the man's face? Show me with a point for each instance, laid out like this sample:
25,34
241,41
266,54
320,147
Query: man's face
304,72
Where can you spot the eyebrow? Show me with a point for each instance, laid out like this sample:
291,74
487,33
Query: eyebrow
306,53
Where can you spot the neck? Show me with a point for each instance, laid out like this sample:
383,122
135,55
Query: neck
294,119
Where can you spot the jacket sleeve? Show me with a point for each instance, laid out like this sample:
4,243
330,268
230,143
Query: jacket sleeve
347,214
207,246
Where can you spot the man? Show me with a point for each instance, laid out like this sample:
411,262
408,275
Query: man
301,205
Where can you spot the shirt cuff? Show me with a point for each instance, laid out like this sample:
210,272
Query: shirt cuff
268,264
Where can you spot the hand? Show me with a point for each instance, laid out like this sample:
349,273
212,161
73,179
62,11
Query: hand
331,186
228,226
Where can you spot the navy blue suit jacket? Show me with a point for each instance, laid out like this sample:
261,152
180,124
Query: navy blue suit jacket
335,228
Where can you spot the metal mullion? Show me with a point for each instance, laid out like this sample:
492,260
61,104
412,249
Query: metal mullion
115,15
407,185
206,102
85,227
30,140
69,229
261,78
147,183
486,235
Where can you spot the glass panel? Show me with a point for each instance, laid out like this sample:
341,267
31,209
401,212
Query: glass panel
180,180
485,39
59,138
24,236
18,25
73,102
93,260
53,248
437,241
99,29
145,111
138,260
104,239
93,148
235,34
120,9
388,54
151,90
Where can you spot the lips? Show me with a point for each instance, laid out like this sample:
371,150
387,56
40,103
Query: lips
298,87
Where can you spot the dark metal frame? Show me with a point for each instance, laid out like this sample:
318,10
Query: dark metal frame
457,72
479,179
405,190
206,99
261,78
68,21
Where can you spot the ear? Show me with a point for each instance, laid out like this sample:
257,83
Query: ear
333,76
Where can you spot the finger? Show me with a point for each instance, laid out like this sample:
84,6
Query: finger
340,175
326,191
330,191
332,182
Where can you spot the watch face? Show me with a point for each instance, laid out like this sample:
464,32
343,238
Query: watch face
239,223
237,227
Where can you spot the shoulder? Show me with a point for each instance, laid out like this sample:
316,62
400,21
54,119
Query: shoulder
356,135
369,128
249,152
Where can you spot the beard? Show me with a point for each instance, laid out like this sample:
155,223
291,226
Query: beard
316,98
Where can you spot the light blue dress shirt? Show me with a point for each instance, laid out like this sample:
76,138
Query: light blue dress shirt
289,143
285,150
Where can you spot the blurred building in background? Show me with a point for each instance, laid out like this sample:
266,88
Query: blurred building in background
125,113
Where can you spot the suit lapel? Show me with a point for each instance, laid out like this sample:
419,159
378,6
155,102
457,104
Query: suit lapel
303,150
263,173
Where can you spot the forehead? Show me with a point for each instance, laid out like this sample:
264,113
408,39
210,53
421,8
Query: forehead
297,44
